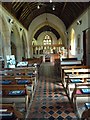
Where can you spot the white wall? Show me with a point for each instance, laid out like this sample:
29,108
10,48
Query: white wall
78,30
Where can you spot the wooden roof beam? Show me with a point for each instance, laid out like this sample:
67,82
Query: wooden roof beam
76,3
63,8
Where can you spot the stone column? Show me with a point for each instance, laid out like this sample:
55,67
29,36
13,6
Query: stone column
7,46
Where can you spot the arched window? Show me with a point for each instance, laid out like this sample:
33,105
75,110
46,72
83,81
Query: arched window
73,42
47,40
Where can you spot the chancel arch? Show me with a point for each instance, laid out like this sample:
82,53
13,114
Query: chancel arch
41,21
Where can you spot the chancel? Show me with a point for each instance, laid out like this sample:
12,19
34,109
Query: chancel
44,60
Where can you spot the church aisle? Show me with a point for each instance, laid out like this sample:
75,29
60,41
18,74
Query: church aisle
50,100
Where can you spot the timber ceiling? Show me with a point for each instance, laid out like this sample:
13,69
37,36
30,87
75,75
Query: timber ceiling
25,12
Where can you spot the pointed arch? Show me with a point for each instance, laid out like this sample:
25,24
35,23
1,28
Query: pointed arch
15,39
4,31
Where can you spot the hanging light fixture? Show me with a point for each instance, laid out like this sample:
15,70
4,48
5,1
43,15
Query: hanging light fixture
38,7
50,1
53,7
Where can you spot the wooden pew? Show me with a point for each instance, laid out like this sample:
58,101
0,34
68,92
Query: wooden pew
74,75
30,71
71,85
14,93
10,108
73,69
71,62
69,59
80,96
19,80
14,71
75,72
77,88
86,114
82,77
6,72
34,60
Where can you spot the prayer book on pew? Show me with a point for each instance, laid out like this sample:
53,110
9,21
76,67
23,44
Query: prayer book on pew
22,81
16,92
86,90
87,105
6,82
76,81
6,114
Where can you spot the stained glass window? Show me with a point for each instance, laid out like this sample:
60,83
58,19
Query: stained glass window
47,40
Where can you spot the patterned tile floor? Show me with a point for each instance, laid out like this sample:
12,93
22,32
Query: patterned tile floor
50,100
